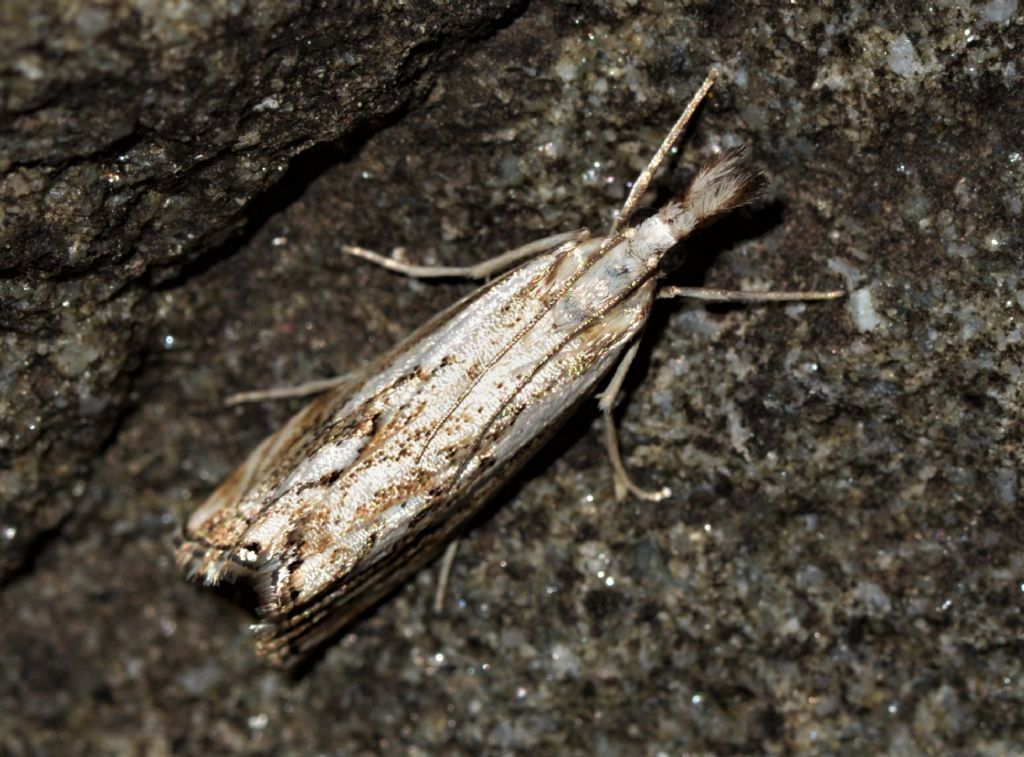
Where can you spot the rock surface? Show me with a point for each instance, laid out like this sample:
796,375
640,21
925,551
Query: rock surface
137,140
839,569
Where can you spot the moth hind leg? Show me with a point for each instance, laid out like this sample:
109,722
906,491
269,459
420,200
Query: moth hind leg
482,270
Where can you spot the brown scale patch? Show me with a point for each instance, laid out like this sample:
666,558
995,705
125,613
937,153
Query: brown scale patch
322,541
390,496
554,272
330,478
374,428
344,430
420,434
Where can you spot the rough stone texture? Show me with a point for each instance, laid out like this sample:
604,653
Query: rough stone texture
135,139
839,569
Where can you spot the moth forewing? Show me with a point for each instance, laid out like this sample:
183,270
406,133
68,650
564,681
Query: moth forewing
550,390
367,482
370,480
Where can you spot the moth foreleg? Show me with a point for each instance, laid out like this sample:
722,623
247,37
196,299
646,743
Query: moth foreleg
482,270
623,483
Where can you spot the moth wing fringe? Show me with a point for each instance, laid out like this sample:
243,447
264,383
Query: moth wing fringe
285,636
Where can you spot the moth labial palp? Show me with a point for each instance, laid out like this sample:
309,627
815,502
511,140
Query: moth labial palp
372,478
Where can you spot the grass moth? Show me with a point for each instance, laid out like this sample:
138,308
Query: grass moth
372,478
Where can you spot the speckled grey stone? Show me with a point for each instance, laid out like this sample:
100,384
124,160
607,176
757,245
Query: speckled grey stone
839,570
136,140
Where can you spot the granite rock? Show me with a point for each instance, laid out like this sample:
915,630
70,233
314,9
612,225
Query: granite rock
839,568
138,140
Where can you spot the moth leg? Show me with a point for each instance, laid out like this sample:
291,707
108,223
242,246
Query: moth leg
731,295
286,392
611,437
444,575
610,395
481,270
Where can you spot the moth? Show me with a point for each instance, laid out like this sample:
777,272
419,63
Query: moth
371,479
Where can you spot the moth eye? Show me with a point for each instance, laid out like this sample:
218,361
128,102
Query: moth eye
640,215
673,260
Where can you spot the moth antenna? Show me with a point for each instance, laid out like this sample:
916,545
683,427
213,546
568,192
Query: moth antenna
644,179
